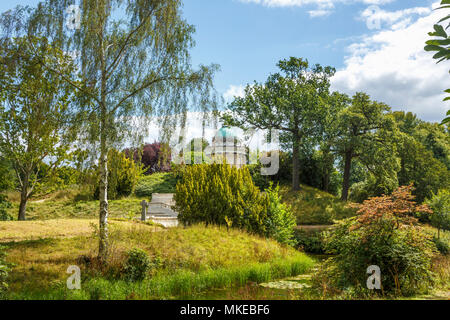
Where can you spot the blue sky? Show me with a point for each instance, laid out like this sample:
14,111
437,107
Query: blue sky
247,39
378,49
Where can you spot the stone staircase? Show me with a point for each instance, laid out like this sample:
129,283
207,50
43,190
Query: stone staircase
160,210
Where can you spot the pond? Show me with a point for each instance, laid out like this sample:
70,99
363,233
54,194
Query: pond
291,288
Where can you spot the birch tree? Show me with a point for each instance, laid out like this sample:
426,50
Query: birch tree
134,63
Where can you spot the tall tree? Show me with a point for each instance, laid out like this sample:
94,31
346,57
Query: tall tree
420,167
336,102
291,101
359,134
134,62
436,139
407,122
34,111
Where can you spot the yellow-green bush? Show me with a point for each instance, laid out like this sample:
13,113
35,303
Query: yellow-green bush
223,195
123,174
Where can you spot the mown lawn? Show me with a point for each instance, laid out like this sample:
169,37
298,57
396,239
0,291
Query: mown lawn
192,260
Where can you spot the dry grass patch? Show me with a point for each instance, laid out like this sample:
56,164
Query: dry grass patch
43,263
59,208
16,231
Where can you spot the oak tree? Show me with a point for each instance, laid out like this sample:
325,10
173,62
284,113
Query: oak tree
291,101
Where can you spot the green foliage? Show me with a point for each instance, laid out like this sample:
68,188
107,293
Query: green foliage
156,183
123,175
7,175
4,271
383,236
373,186
442,245
404,256
359,192
4,205
407,122
116,99
137,265
441,44
56,179
440,204
418,166
262,182
35,110
367,132
289,101
280,221
436,139
311,242
222,195
314,207
182,284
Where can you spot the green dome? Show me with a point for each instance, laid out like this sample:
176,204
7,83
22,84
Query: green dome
225,132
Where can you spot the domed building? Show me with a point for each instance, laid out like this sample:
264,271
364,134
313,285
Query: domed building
227,146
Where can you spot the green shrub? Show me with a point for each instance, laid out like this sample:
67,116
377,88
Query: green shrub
137,265
280,221
442,245
314,207
4,204
4,270
311,242
262,182
222,195
156,183
359,192
123,175
440,204
383,235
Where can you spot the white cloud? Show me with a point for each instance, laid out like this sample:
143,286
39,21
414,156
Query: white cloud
376,17
233,91
319,13
323,7
392,66
322,3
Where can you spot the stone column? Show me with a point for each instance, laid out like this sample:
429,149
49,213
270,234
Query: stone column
144,205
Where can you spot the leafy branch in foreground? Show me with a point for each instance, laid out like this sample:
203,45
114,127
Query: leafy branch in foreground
441,45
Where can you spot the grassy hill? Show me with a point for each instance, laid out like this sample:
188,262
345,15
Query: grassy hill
315,207
190,261
49,209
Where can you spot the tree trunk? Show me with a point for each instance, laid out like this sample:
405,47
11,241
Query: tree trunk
328,166
22,207
326,180
23,199
103,249
296,165
103,197
103,194
346,183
